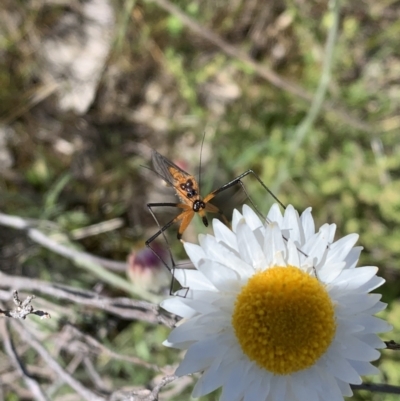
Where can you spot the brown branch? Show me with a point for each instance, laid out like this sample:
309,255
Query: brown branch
377,388
125,308
31,383
20,223
23,309
81,259
261,70
143,394
153,396
97,380
392,345
30,339
93,346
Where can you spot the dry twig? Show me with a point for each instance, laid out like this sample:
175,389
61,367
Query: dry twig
23,308
91,345
82,259
125,308
65,377
30,382
392,345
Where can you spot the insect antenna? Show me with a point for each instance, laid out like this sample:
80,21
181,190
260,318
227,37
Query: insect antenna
201,153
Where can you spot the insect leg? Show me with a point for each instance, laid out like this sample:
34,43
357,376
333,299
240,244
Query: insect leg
166,226
186,218
213,209
238,180
161,231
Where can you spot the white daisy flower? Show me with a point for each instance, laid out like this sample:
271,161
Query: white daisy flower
277,311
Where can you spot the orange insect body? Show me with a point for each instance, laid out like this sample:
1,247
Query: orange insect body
191,202
187,189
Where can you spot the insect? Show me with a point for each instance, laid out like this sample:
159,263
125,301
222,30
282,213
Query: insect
191,202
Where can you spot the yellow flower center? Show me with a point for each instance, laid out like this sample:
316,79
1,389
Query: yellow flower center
284,319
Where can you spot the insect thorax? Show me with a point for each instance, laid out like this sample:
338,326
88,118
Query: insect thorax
189,188
198,204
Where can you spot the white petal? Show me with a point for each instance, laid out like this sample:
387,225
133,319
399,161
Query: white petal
235,386
353,348
340,368
195,252
275,215
346,325
351,280
222,277
360,280
221,323
236,217
252,220
201,305
364,368
273,243
291,221
303,386
201,354
218,252
190,330
249,249
177,306
329,272
355,303
182,346
345,388
259,390
226,304
329,387
379,306
193,279
317,248
370,324
278,388
352,257
339,250
332,230
292,254
211,379
375,282
279,259
308,223
224,234
372,339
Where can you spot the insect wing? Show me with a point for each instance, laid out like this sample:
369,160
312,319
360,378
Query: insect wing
165,168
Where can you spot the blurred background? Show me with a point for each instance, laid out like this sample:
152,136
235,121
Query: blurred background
304,93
